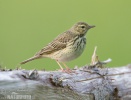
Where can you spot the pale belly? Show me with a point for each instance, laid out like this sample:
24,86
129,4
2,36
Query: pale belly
71,52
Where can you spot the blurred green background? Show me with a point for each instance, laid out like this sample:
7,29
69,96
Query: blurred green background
28,25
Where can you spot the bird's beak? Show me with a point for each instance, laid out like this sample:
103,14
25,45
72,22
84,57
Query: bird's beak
92,26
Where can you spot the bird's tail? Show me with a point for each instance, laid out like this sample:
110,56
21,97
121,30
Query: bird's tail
30,59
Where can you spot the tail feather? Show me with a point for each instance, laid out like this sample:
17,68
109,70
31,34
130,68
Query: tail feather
30,59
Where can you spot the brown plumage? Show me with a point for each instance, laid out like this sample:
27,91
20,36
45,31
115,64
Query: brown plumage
65,47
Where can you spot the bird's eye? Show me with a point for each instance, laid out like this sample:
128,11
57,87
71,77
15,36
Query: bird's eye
82,26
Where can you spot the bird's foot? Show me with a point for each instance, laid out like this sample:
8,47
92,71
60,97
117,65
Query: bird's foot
67,70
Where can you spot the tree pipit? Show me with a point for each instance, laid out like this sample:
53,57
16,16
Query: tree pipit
66,46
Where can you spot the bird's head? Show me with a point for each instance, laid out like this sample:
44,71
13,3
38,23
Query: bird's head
81,28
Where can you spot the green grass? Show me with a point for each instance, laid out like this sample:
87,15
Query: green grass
28,25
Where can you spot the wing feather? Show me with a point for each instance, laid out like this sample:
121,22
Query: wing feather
58,43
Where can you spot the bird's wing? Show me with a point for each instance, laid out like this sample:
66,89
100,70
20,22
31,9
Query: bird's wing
57,44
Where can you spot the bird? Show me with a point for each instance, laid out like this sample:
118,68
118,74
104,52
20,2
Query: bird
66,46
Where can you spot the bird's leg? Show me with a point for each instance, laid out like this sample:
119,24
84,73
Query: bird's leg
65,66
68,70
60,65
